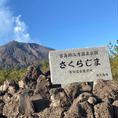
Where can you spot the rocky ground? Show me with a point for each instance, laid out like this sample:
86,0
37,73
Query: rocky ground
36,97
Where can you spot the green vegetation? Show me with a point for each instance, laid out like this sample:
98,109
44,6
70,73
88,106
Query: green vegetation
113,50
12,73
44,65
16,73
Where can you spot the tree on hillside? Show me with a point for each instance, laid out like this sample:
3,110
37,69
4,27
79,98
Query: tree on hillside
44,65
12,74
113,50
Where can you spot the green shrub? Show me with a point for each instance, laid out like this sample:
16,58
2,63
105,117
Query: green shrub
12,73
113,52
44,65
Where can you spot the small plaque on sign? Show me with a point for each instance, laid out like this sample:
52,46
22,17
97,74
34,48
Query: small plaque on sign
79,65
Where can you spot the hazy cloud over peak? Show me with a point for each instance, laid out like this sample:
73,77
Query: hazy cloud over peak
20,30
11,27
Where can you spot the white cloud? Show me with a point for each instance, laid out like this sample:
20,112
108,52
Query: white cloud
6,22
20,31
11,27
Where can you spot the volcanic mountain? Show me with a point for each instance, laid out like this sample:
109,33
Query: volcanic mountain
22,54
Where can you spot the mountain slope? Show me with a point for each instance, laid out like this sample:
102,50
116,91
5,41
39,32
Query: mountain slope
22,54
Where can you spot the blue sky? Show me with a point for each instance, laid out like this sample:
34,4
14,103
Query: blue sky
59,24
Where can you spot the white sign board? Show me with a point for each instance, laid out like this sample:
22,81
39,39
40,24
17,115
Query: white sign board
79,65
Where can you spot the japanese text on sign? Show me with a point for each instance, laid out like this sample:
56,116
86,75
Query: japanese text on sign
66,55
80,63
